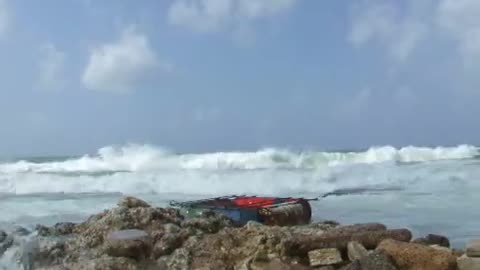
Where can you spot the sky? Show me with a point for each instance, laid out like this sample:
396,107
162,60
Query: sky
224,75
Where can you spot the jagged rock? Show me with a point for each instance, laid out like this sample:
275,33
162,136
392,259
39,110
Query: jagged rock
171,228
433,239
325,256
335,238
3,236
467,263
64,228
49,250
473,248
19,230
6,243
167,244
135,244
132,202
411,256
59,229
179,260
105,263
373,261
355,251
210,222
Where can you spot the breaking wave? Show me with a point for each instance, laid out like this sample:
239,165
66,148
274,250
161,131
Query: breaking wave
144,158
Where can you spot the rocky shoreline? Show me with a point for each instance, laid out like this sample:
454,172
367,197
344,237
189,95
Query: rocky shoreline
135,235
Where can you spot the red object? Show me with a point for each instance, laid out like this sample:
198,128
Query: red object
255,202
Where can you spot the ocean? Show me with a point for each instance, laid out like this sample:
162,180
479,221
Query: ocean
424,189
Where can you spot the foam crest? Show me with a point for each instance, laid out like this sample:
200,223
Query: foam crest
143,158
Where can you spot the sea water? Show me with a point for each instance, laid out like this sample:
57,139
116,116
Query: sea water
424,189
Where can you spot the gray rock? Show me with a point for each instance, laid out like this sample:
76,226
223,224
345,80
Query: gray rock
473,248
374,261
64,228
3,236
356,251
467,263
6,244
134,244
19,230
325,256
433,239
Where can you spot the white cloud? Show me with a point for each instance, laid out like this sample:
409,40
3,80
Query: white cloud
51,69
4,17
224,15
382,22
120,65
460,19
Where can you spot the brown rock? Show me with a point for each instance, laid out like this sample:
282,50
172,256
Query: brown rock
300,245
363,227
467,263
325,256
134,244
433,239
132,202
355,251
473,248
411,256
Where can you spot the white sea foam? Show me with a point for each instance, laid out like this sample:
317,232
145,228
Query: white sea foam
142,158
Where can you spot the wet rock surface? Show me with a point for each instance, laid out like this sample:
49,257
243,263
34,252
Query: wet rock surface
136,235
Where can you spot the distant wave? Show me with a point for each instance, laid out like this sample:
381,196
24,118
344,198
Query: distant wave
144,158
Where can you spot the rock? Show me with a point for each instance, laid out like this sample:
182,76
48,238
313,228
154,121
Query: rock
3,236
473,248
179,260
355,251
48,250
377,260
6,243
104,263
325,256
251,224
433,239
19,230
300,245
171,228
59,229
411,256
277,264
210,222
64,228
467,263
373,261
437,247
132,202
134,244
167,244
363,227
328,267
